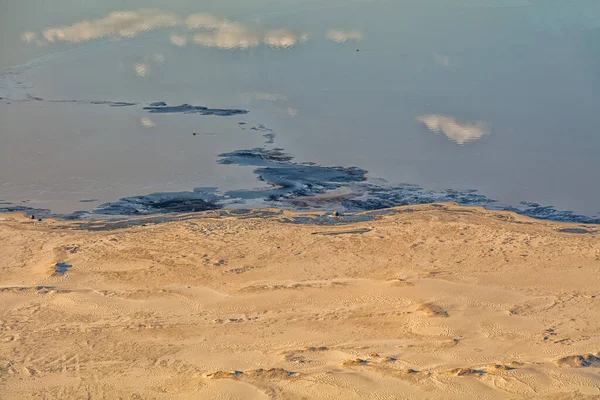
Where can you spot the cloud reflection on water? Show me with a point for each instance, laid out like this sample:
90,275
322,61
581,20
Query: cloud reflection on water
147,122
214,31
141,69
204,29
459,132
118,24
178,40
339,36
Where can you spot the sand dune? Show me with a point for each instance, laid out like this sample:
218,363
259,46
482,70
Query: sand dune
444,302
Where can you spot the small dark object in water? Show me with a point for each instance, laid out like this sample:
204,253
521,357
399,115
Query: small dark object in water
357,50
336,214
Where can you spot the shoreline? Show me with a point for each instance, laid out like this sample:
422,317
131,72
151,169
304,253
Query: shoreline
309,217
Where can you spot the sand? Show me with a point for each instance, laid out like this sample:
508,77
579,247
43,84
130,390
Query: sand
445,302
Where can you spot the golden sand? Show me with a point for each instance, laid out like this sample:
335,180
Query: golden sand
445,302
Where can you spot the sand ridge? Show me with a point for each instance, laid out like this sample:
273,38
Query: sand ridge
443,302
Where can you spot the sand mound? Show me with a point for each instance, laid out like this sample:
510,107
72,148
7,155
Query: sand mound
273,373
501,367
225,374
432,310
465,372
354,363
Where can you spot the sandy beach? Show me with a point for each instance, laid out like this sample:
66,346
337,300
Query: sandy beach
442,302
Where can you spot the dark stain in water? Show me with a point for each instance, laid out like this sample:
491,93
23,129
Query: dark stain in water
158,203
88,200
161,107
288,179
268,133
61,268
270,138
299,186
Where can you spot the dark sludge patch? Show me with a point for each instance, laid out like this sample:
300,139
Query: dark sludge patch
255,157
261,128
300,186
163,108
288,179
161,203
29,211
270,138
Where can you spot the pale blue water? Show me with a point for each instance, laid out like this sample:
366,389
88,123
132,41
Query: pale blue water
496,96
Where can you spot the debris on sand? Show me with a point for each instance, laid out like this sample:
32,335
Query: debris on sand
354,363
580,361
225,374
502,367
433,310
272,373
465,372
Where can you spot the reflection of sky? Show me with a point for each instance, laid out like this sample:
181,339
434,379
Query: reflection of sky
515,84
216,31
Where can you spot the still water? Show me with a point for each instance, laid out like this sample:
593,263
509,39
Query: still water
372,103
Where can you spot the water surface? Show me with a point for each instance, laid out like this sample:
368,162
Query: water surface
494,100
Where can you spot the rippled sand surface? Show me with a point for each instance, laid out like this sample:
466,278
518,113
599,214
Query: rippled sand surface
441,302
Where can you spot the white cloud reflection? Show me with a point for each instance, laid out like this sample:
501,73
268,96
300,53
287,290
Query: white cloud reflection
204,20
147,122
235,35
141,69
178,40
214,31
229,36
459,132
119,24
444,61
29,37
343,36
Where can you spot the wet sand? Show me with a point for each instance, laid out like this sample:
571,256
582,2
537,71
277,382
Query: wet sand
441,302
